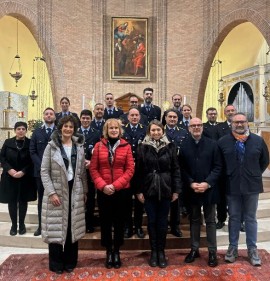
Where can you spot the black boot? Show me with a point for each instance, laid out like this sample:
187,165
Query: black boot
22,214
116,259
12,208
161,242
109,259
162,262
153,262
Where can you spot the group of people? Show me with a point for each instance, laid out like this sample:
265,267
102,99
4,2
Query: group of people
135,161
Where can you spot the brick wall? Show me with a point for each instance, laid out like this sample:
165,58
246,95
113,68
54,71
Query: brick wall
185,36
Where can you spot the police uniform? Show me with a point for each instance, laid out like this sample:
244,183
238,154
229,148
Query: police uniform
154,112
99,127
134,138
175,135
92,136
116,113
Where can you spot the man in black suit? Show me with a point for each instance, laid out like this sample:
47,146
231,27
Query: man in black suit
246,157
201,164
98,121
209,127
176,100
91,136
147,108
111,111
39,140
175,135
134,133
222,129
65,104
134,102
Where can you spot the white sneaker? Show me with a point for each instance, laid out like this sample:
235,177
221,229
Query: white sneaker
232,254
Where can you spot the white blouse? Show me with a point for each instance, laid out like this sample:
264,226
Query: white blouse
70,172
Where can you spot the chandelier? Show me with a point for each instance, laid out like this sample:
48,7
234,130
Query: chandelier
16,69
33,86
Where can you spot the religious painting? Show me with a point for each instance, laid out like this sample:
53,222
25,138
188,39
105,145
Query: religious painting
129,49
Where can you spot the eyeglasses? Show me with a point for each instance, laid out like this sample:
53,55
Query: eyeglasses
239,122
195,126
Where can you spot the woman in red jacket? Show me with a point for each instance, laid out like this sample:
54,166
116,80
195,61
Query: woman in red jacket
111,169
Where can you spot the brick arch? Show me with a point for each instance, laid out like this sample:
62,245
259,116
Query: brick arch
29,18
211,46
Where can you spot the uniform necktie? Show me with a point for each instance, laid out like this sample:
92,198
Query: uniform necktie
110,112
171,131
133,129
49,131
99,124
85,132
186,123
65,114
148,108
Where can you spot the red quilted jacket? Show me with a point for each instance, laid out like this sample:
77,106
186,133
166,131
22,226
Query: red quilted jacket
119,173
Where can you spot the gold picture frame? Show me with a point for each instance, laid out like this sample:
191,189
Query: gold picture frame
129,49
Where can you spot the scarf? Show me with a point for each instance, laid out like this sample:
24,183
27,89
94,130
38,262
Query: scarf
157,144
112,147
240,145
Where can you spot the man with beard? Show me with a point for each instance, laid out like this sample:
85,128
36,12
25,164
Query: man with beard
246,157
147,108
176,100
98,121
222,129
40,138
209,128
134,102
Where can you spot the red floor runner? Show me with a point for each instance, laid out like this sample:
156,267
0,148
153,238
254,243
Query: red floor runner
135,267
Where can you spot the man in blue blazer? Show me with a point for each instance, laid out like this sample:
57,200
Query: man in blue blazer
246,157
39,140
147,108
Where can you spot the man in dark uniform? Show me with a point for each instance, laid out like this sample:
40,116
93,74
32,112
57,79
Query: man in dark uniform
134,133
39,140
134,102
92,136
175,135
186,117
176,100
111,111
201,164
98,121
222,129
147,108
209,127
65,104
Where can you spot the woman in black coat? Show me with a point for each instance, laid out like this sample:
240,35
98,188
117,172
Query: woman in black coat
159,182
17,183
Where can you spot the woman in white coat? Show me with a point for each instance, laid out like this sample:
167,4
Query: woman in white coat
63,208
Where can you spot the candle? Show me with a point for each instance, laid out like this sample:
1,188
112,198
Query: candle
185,99
83,101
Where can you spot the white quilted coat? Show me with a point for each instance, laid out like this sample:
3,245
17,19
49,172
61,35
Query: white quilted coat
54,177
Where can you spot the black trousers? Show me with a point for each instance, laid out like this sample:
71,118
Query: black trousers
112,218
222,205
137,206
13,213
64,257
209,212
40,191
90,203
175,214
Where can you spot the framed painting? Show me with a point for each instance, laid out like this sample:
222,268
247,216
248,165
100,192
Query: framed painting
129,49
